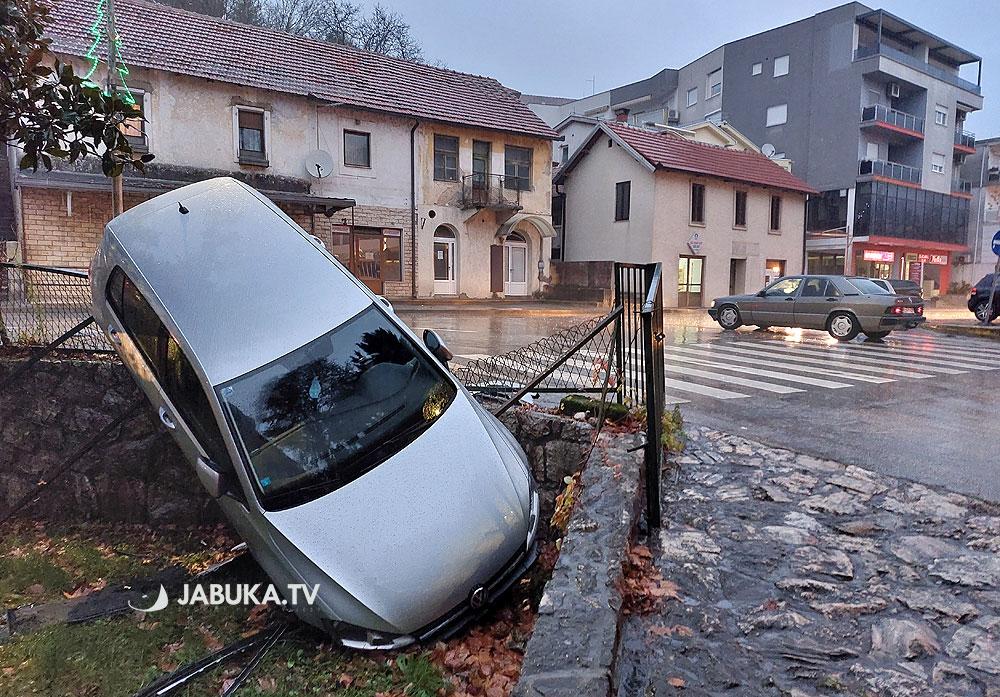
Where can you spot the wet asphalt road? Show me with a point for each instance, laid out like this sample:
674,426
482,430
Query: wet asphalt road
922,406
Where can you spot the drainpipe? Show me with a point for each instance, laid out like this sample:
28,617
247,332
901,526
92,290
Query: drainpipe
413,212
805,225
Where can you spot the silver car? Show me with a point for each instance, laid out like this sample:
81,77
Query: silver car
338,444
845,306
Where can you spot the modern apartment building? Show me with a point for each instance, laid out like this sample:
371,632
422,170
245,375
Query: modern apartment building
982,171
869,108
422,181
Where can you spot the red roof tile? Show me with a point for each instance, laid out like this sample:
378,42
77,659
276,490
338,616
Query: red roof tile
670,151
163,38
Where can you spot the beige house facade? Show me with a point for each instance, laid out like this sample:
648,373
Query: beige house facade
724,221
424,182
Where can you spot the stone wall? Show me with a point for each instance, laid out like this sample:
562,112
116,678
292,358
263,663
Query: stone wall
139,475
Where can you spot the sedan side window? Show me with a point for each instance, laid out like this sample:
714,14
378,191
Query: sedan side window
784,288
814,288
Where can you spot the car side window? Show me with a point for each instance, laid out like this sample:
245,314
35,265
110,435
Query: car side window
784,288
832,291
814,288
168,363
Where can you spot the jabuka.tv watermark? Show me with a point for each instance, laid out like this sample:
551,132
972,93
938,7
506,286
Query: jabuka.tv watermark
229,594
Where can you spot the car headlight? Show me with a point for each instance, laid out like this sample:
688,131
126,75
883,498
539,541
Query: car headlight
714,303
533,517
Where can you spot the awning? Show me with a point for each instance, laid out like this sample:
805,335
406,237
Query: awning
541,223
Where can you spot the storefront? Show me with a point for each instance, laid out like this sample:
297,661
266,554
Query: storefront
926,263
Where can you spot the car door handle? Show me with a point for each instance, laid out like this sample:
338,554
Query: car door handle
788,300
831,300
167,419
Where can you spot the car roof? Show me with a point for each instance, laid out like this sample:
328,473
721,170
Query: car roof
239,280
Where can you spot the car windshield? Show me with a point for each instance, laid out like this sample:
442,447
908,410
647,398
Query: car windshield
326,413
868,286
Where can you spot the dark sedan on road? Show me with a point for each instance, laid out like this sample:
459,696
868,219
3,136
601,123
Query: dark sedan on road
979,300
845,306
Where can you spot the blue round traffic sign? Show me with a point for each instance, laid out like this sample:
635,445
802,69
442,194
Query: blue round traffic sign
996,243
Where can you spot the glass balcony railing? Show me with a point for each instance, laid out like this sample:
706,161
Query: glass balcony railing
961,186
914,62
965,139
883,114
890,170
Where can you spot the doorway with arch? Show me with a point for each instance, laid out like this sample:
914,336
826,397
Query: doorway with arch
445,261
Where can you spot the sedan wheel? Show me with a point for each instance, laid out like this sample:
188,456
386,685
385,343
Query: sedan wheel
983,313
729,317
843,327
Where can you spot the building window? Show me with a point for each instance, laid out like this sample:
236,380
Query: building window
777,115
740,212
714,116
563,153
357,149
781,66
698,204
937,163
445,158
715,83
623,195
251,130
134,127
940,115
756,68
775,214
517,168
692,96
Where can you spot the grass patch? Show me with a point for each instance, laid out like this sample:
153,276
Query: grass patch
673,438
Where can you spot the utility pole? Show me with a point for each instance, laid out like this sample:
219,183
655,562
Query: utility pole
117,189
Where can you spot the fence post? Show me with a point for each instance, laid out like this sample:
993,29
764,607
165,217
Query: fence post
652,348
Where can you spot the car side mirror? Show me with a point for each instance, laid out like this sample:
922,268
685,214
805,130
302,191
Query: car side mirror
382,299
435,344
762,294
211,476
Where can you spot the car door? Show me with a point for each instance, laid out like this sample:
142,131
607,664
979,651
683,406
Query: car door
815,301
776,307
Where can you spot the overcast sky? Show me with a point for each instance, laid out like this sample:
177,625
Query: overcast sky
556,47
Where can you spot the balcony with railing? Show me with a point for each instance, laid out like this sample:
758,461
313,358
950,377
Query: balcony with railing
882,49
965,142
961,186
889,170
493,191
893,120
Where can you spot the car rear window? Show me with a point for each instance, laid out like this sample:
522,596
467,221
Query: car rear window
868,286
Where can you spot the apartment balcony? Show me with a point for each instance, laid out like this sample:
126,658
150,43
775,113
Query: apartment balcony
965,142
961,187
493,191
893,121
901,174
906,59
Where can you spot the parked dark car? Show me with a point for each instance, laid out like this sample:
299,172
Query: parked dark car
901,286
979,300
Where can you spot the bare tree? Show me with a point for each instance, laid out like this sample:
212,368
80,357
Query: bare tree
337,21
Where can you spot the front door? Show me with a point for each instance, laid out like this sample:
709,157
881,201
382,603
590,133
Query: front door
516,276
777,307
816,300
690,276
444,267
737,276
367,261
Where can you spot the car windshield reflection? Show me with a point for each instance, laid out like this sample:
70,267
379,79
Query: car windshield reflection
323,415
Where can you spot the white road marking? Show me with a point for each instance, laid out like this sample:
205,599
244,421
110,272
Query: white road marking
792,355
702,389
888,361
787,377
732,379
715,351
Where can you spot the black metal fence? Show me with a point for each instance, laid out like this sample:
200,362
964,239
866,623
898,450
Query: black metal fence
38,305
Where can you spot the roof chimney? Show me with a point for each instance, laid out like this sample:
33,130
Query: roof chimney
621,115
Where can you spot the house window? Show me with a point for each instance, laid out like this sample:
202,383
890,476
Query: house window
134,127
781,66
563,153
357,149
740,212
775,214
251,128
517,168
692,96
756,68
623,195
698,203
445,158
777,115
937,163
940,115
715,83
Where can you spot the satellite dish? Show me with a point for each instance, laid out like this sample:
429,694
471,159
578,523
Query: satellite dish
768,150
319,164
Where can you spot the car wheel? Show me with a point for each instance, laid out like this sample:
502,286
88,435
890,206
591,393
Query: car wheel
843,326
876,336
983,313
729,317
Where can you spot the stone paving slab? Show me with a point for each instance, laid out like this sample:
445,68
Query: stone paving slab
800,577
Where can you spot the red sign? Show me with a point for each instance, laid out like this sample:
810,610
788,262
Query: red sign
875,255
938,259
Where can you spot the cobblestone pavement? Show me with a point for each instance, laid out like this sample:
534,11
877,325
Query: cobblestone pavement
799,576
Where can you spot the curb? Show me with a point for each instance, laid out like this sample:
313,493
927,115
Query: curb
573,647
988,332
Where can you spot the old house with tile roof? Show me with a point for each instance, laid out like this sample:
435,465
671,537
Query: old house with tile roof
728,220
422,180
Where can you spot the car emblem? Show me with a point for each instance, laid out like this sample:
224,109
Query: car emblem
477,598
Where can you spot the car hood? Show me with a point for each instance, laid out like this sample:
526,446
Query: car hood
411,538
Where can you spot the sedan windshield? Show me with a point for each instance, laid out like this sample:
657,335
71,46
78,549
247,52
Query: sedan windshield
330,411
868,286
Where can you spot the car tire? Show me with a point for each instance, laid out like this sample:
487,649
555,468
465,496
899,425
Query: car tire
876,336
843,326
982,312
729,317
